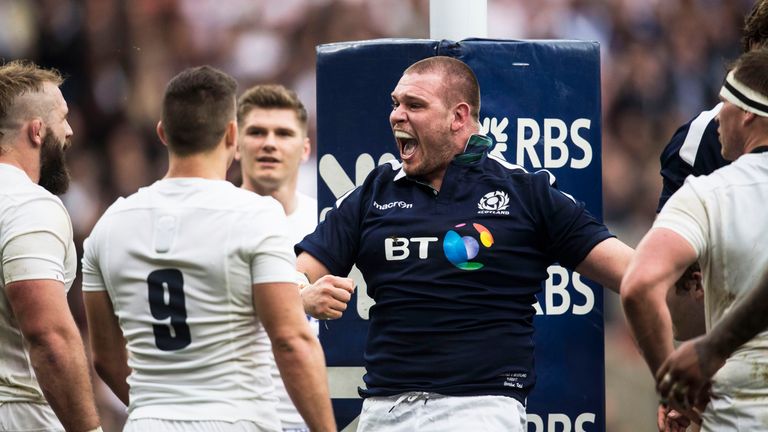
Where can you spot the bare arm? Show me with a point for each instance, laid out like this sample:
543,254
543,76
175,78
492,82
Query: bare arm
297,352
328,295
56,350
606,263
661,258
110,358
311,266
659,261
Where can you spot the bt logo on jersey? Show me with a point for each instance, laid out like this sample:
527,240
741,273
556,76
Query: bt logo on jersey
460,245
460,249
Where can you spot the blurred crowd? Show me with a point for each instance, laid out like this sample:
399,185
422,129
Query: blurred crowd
662,62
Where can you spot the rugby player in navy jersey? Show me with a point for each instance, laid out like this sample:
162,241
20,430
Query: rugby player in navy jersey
694,149
453,265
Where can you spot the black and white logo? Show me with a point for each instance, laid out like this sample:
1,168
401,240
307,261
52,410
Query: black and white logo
398,204
495,202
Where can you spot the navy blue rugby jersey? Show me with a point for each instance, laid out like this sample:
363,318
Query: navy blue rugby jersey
454,273
693,150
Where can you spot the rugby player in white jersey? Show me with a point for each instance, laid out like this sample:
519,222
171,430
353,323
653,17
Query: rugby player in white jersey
185,279
44,382
272,144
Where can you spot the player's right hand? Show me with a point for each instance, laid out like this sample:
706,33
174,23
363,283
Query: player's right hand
327,298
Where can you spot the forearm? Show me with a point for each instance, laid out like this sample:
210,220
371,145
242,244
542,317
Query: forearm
651,326
606,263
661,258
110,358
302,368
115,376
61,367
747,318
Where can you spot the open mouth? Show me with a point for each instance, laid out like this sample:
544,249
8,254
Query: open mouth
407,143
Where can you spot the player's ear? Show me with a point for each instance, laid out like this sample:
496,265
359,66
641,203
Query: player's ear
230,137
161,133
698,288
748,117
307,149
461,116
36,131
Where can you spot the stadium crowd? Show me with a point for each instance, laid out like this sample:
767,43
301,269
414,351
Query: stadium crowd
662,62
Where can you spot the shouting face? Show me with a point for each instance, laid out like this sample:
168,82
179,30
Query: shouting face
421,121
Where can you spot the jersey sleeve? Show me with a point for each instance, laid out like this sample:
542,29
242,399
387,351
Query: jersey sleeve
335,241
570,231
694,149
686,215
270,248
674,169
92,277
36,242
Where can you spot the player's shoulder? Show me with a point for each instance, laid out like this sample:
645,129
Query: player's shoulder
16,187
496,167
496,163
747,169
34,197
529,186
390,170
25,203
250,202
220,195
382,178
134,200
196,192
724,177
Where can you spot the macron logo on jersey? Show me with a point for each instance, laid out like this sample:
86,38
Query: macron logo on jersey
387,206
495,202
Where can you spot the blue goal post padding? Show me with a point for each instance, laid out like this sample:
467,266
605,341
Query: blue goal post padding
541,105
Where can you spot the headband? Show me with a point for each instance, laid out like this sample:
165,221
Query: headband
743,97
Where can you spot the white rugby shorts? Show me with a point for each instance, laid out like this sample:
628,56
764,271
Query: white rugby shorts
161,425
432,412
24,416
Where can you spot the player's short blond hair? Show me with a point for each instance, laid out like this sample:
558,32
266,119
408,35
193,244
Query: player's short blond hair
19,77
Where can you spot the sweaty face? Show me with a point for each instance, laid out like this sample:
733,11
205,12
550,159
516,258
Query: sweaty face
421,122
272,145
54,175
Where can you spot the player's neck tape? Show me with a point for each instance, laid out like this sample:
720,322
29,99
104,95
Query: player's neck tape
743,97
